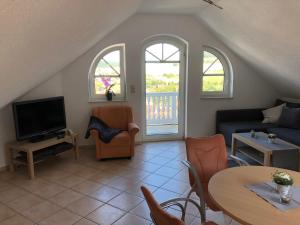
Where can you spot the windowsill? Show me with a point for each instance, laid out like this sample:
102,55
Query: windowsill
211,97
215,97
93,100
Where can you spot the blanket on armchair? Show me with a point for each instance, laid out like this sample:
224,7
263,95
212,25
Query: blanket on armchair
106,134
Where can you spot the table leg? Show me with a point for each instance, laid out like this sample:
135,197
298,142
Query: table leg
234,146
267,159
75,148
9,155
299,161
30,165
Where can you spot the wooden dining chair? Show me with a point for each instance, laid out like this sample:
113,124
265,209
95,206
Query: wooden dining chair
161,217
206,156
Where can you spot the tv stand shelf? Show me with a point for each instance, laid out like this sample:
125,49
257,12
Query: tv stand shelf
30,148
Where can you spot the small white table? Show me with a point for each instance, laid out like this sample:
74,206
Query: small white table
260,144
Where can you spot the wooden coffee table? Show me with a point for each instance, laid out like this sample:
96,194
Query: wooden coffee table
259,149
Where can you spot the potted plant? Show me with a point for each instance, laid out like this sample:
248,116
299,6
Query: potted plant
284,182
109,93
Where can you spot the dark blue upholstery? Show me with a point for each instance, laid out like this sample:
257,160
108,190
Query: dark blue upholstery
228,128
287,134
244,120
238,115
290,118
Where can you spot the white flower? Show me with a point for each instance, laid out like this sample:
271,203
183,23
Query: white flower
283,175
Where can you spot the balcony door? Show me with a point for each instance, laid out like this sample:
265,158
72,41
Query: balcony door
163,88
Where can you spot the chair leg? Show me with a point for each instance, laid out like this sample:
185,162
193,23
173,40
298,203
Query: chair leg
185,204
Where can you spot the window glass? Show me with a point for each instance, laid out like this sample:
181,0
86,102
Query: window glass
216,75
107,71
109,65
213,83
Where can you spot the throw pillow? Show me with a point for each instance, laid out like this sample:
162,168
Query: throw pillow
290,118
272,115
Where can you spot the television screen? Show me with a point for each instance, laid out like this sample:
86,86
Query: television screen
39,117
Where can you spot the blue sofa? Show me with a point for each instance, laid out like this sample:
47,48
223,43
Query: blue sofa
245,120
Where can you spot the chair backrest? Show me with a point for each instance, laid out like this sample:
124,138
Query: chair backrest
115,116
158,214
208,155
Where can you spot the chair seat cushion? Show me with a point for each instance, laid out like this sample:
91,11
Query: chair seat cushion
122,139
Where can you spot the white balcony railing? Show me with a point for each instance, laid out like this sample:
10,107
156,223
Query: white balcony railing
162,108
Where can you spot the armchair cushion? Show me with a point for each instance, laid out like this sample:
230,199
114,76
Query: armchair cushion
121,139
114,116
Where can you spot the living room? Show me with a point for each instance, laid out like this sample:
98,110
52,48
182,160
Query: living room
55,52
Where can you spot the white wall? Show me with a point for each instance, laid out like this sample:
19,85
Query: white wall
250,90
50,88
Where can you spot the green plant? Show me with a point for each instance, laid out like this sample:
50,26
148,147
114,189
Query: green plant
282,178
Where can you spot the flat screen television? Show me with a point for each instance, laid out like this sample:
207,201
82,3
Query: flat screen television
40,117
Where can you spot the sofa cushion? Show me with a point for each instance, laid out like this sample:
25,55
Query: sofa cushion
272,114
228,128
287,134
290,118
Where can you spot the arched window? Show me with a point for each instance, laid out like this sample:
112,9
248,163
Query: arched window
217,75
108,69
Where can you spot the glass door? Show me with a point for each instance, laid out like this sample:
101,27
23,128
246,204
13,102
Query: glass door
164,94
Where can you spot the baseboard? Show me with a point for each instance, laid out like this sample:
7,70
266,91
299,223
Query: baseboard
136,143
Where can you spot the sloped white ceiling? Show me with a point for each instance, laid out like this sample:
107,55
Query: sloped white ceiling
40,37
266,34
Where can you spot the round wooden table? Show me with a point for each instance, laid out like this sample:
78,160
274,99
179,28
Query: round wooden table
227,189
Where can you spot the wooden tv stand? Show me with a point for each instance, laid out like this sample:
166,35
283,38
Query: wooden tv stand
30,148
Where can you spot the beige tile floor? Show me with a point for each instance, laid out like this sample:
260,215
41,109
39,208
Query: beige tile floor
89,192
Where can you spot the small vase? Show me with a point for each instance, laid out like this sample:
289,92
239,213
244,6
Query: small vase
109,95
285,193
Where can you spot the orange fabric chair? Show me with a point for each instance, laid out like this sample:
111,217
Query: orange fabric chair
206,156
159,215
122,145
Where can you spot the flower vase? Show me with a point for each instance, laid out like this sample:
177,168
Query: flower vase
285,193
109,95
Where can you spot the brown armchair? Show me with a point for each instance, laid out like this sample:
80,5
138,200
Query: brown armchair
122,145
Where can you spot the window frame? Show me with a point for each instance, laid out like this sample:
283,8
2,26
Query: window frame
228,75
93,97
